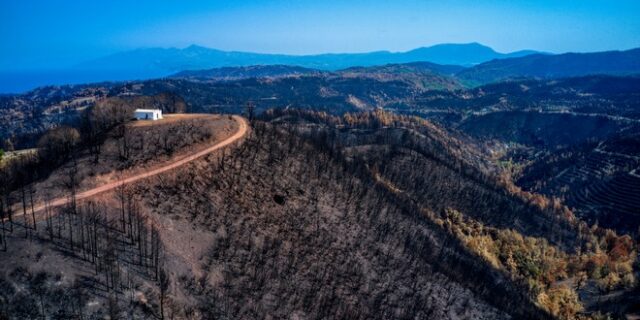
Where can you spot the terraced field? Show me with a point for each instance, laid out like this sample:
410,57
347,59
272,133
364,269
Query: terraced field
614,202
603,187
597,165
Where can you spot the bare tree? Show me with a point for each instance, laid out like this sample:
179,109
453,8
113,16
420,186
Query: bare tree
163,284
49,217
58,145
71,184
122,194
3,236
250,110
33,213
38,285
113,307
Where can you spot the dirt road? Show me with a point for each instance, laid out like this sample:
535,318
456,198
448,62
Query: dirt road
242,130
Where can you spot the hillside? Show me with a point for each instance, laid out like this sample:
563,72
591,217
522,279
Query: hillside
604,103
334,94
25,118
239,73
540,129
202,282
422,89
546,113
554,66
600,179
423,75
316,216
518,123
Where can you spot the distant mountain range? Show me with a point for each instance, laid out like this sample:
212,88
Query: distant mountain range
471,64
431,75
161,62
554,66
156,62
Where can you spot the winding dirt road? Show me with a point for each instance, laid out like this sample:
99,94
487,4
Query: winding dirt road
242,130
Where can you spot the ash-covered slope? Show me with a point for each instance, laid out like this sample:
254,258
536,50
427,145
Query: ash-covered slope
300,229
369,215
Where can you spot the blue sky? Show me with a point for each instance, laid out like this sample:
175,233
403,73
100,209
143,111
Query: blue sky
45,34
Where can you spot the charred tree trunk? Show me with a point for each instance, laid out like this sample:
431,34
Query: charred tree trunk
33,213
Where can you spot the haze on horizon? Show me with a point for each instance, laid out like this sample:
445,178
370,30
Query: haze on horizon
44,35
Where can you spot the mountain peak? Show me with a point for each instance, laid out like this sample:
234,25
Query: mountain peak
470,45
195,47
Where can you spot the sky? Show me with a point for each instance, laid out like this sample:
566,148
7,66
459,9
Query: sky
39,34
